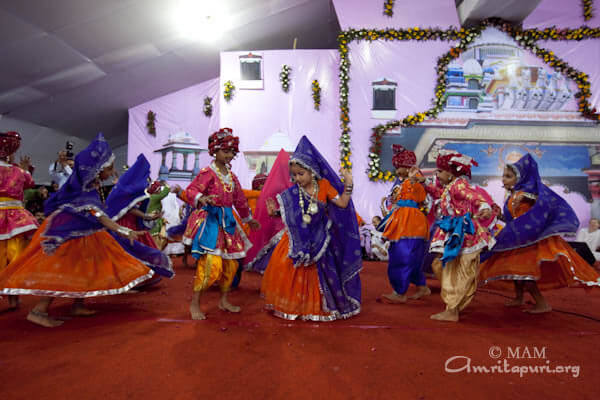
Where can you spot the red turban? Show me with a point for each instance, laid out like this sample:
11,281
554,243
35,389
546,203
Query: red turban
156,185
223,139
402,157
9,143
455,163
258,181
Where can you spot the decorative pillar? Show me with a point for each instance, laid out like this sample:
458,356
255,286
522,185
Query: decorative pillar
163,172
174,161
196,170
185,158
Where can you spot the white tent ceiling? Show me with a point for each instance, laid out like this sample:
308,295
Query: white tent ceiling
78,65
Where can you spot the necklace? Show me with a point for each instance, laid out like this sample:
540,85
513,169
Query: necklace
226,179
313,208
100,191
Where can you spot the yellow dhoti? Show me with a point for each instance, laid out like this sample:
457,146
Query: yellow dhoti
458,279
211,269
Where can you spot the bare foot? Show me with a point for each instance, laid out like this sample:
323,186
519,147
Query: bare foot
393,298
42,319
514,302
196,314
449,316
421,292
13,302
81,311
539,309
226,306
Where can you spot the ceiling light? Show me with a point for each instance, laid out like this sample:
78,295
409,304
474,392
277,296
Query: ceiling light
201,19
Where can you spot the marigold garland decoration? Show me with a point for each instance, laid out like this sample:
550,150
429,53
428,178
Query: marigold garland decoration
151,122
229,89
388,8
208,109
284,77
316,94
588,9
526,39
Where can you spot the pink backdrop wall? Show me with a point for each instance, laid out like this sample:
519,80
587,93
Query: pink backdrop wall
175,112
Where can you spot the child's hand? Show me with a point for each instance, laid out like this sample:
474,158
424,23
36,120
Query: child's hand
484,214
271,208
210,199
155,215
254,224
347,174
415,175
25,163
133,236
176,189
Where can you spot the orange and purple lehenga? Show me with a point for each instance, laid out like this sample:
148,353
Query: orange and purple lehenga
312,273
72,255
530,247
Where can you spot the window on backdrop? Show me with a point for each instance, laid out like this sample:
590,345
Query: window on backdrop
251,73
384,99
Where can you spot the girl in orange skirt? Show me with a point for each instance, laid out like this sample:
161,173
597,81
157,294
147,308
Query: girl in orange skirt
313,272
529,250
72,255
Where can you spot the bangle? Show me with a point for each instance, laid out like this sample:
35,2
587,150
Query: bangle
124,231
349,189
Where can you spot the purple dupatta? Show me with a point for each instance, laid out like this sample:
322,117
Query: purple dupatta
331,239
549,216
127,193
68,209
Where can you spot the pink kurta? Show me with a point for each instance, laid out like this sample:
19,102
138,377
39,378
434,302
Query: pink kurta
458,199
208,183
14,218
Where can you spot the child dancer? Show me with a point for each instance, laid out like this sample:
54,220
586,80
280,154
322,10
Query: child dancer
158,191
529,250
458,239
313,272
124,205
406,228
217,240
71,255
129,197
17,224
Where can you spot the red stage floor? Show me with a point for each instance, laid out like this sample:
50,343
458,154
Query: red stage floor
143,346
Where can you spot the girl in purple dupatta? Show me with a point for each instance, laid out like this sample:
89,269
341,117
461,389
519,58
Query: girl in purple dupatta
72,255
124,205
313,273
529,250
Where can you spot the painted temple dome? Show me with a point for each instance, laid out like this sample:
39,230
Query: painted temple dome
181,137
472,67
